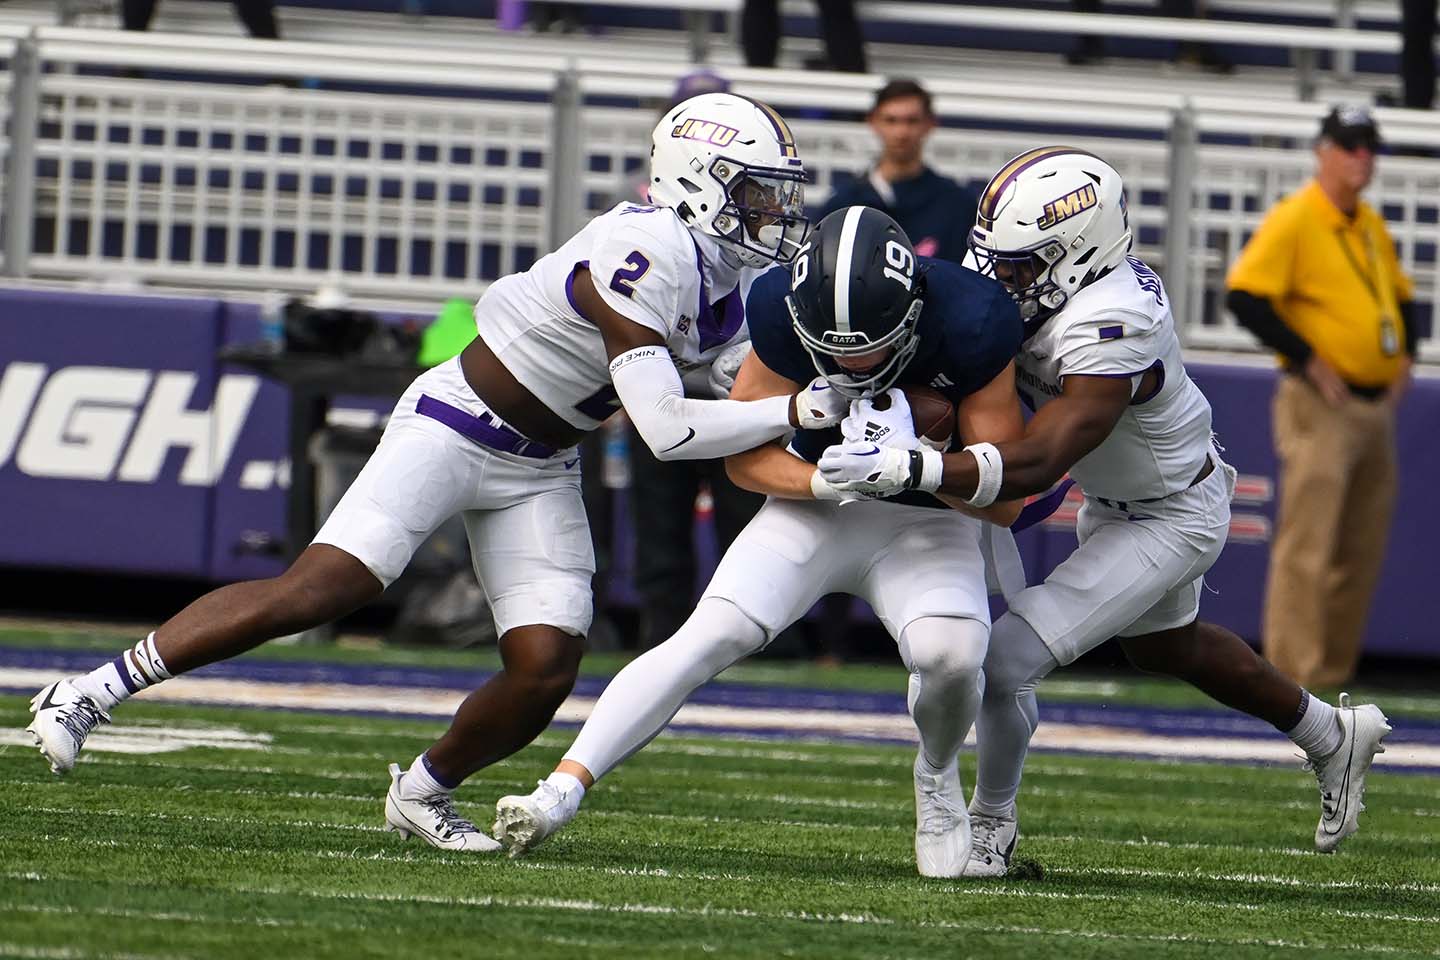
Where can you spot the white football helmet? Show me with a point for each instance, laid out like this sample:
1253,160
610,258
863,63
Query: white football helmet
1051,221
727,166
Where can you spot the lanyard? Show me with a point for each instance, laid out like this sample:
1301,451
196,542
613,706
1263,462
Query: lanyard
1369,277
1389,335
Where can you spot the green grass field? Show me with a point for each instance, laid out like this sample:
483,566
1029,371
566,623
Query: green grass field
697,846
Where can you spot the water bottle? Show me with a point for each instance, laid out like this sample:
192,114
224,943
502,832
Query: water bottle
272,322
615,464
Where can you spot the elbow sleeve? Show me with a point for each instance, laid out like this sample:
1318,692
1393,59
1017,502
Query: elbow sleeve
677,428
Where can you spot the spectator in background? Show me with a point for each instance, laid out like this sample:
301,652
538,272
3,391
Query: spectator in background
844,46
935,212
1319,283
1091,47
257,15
1417,52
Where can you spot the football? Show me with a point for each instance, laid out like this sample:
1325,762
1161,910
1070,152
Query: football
932,414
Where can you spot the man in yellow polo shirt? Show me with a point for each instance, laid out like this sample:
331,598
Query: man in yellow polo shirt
1319,283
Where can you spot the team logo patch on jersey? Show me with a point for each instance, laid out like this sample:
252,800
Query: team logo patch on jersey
1073,203
706,131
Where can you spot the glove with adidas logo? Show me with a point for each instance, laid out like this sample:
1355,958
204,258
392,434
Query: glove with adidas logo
884,420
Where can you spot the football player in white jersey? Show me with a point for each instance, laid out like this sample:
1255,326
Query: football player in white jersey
1101,366
638,296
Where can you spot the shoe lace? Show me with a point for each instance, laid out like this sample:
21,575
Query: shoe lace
80,718
940,811
1327,799
547,795
451,824
985,831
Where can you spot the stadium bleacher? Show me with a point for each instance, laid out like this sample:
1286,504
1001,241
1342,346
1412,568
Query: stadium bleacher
390,88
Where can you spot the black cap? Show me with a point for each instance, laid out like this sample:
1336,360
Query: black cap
1349,127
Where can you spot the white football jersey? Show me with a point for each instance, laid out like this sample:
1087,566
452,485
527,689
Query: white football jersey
1120,326
651,269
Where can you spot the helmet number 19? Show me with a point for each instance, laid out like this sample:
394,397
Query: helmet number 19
801,270
901,263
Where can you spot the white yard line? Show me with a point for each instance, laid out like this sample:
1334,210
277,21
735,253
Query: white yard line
858,918
727,718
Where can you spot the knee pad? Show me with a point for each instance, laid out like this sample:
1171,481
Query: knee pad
945,647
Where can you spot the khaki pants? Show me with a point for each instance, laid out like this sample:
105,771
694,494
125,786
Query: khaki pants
1337,494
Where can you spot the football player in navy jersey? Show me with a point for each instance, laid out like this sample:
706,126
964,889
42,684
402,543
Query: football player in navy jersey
860,308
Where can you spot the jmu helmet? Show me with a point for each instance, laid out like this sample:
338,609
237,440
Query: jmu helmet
855,289
1051,221
727,165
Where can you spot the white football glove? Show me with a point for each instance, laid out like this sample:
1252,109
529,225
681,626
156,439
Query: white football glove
820,405
866,468
891,427
871,470
725,366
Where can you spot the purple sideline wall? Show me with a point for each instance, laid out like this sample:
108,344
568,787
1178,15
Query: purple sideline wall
124,446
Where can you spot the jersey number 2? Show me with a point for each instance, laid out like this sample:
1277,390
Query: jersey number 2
624,280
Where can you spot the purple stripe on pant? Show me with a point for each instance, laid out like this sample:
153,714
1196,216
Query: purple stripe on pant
481,430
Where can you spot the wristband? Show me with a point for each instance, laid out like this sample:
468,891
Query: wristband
992,472
927,467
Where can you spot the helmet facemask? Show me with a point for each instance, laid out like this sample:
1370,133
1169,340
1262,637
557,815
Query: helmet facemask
763,219
1028,275
825,350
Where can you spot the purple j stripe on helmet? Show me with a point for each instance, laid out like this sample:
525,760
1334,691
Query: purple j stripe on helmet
998,184
492,435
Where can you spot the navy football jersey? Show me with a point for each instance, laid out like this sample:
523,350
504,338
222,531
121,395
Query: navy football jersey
969,330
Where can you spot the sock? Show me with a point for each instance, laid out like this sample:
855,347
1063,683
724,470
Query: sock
128,674
572,791
1317,727
421,780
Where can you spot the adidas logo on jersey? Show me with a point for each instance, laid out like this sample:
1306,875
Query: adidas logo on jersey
941,382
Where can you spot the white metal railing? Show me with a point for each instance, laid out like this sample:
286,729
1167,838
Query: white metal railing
425,196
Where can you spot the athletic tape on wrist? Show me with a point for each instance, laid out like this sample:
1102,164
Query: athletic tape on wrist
821,489
927,467
992,472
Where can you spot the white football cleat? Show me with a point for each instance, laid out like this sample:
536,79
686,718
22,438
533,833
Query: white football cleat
64,717
523,823
1342,774
432,819
992,846
942,824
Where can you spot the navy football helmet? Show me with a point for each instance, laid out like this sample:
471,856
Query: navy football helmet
855,289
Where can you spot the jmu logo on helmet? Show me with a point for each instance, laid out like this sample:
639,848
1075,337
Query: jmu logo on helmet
706,131
1074,202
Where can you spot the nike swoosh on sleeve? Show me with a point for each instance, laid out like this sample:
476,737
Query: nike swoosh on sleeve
688,437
